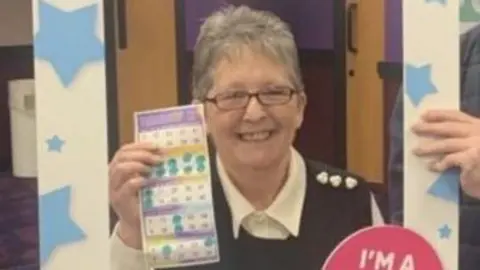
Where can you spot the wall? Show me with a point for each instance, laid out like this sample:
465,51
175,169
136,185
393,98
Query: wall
15,62
15,22
393,30
311,20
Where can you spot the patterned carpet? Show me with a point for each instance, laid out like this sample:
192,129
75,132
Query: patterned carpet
18,224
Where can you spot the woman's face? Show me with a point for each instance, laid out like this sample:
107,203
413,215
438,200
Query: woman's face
255,135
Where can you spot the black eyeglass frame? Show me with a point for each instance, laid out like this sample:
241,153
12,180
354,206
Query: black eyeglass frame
289,91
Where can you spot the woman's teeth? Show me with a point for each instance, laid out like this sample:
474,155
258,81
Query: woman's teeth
255,136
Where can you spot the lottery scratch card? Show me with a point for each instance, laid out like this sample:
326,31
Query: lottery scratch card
178,223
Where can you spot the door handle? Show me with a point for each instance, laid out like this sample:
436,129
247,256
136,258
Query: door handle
122,24
352,11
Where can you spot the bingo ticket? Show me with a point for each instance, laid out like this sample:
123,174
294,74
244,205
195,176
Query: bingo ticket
177,216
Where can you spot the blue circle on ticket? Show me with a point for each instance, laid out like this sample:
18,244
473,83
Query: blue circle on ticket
148,203
172,162
159,171
173,171
178,228
167,250
209,241
200,159
177,219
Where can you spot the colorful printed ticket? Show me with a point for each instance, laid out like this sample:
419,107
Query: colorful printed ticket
177,215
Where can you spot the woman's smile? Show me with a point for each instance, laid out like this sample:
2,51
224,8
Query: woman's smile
255,136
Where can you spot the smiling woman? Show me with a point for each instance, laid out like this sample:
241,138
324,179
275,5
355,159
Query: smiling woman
273,207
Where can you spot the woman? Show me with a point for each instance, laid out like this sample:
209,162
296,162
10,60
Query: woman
273,209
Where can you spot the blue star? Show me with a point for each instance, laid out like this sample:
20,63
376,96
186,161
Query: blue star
56,226
67,39
444,231
418,83
55,144
441,2
447,186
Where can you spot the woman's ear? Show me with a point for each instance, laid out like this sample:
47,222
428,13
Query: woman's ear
302,100
302,103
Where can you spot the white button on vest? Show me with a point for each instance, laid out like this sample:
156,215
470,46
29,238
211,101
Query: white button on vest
335,180
351,182
322,178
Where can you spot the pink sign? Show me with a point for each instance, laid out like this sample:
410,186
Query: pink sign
384,248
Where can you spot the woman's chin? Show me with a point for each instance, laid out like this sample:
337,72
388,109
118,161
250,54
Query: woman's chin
257,159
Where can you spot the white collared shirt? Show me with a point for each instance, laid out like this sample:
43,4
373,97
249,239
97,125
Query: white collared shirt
278,221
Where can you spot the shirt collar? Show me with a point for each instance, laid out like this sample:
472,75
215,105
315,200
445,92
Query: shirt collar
287,206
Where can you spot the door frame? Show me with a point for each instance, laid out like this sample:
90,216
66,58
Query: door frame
110,26
340,80
183,75
365,96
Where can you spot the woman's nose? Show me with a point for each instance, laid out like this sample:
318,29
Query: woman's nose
254,110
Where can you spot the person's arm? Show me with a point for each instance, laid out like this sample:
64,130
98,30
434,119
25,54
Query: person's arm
123,257
395,163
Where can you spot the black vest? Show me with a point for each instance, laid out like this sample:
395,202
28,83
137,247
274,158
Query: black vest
329,215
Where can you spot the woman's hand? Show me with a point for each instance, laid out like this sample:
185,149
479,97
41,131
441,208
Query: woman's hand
458,145
127,170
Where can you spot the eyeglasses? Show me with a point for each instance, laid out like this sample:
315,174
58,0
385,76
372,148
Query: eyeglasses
239,99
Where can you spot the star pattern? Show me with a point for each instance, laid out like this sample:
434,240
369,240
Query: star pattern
418,83
66,42
56,226
67,39
447,186
422,71
444,232
55,144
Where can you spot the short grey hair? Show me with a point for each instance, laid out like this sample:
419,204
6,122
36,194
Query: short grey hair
232,28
